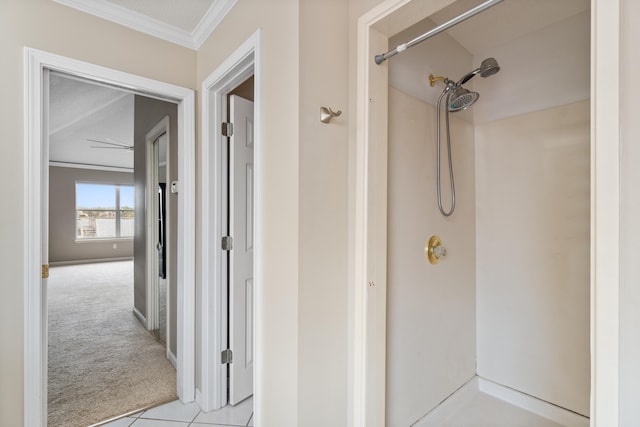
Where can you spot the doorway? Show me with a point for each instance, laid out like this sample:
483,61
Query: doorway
369,289
36,179
97,144
218,319
158,220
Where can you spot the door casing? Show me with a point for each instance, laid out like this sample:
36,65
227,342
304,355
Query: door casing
239,66
36,64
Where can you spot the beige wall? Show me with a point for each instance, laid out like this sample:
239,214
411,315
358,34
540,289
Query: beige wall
431,309
63,246
533,254
322,345
45,25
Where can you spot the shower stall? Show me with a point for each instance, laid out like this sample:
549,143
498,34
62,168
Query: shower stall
507,307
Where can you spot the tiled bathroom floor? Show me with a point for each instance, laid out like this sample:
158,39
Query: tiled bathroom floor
176,414
482,403
487,411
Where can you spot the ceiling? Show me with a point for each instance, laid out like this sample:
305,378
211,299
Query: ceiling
189,22
81,111
184,14
507,20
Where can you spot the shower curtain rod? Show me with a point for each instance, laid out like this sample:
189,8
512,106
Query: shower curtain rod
440,28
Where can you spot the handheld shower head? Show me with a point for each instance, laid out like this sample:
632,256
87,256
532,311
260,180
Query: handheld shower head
461,99
487,68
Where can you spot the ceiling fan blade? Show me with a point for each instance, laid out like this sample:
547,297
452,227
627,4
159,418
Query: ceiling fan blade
112,148
116,144
115,141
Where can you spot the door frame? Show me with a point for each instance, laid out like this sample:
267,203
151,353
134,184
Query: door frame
240,65
152,300
367,218
36,63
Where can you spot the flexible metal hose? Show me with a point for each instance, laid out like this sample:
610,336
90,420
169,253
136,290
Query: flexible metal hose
447,92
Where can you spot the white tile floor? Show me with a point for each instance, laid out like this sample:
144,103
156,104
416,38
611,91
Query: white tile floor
487,411
175,414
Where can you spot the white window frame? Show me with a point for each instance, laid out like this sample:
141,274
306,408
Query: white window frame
117,209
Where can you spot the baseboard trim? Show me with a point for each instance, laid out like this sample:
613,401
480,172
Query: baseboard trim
452,404
532,404
173,359
88,261
140,317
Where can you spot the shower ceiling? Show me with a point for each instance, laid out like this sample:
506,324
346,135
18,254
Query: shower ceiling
506,21
480,35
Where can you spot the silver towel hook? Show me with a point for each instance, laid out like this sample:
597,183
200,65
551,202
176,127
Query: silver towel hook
326,114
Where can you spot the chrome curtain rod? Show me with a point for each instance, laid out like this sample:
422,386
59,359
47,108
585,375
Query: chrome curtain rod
440,28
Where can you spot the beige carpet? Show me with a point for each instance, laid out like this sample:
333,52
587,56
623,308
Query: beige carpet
102,362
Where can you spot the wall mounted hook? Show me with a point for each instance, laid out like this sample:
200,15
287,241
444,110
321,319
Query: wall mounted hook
326,114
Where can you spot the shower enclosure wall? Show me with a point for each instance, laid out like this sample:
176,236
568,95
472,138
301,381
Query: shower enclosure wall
510,301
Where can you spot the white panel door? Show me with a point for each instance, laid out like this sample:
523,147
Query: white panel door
241,228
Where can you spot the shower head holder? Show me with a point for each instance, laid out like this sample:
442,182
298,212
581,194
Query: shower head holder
433,80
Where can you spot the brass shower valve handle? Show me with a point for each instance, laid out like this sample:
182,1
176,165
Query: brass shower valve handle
439,251
434,250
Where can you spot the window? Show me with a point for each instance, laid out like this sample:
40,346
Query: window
104,211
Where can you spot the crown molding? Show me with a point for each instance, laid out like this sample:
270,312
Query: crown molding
210,20
153,27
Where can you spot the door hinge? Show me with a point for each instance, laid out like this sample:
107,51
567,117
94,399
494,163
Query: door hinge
227,243
45,271
226,357
227,129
